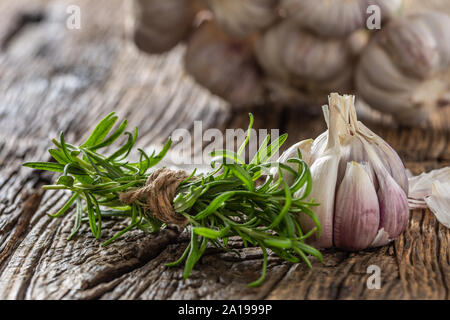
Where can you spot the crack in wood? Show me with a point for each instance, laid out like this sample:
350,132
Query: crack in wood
29,208
86,75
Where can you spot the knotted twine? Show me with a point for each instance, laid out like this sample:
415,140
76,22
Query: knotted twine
159,192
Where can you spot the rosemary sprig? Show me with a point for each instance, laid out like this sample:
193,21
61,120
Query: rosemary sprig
226,202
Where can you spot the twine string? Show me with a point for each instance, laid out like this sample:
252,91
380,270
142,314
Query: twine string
159,192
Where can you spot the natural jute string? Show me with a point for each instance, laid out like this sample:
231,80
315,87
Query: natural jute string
159,192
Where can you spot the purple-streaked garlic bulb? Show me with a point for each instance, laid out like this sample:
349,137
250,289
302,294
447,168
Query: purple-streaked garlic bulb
358,180
224,65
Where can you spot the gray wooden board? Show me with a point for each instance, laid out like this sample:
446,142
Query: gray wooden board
53,79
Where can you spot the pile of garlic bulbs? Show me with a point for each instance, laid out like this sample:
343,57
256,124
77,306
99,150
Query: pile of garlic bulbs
358,179
295,52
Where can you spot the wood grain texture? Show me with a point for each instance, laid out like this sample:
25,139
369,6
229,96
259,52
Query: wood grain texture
53,79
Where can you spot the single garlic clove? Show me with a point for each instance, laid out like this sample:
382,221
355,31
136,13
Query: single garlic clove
324,174
357,212
393,163
157,26
394,210
393,200
240,18
225,66
388,156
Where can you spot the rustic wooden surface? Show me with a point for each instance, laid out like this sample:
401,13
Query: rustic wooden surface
53,79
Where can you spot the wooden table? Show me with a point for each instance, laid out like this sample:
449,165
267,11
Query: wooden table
53,78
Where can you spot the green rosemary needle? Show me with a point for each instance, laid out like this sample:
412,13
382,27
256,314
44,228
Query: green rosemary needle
228,201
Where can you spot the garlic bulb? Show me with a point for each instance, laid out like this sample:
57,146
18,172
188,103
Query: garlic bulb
159,25
239,18
311,66
336,18
405,69
224,65
359,182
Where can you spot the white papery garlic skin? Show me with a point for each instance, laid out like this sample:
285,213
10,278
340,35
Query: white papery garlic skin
432,190
405,69
358,180
439,201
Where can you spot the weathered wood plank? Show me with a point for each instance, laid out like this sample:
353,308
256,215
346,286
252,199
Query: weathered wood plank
71,79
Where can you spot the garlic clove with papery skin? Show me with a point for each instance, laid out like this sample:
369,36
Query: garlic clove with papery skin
324,174
224,65
324,171
394,210
357,212
240,18
393,200
157,26
392,162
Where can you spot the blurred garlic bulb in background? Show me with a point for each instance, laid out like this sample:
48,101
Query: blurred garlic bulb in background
160,25
405,69
358,179
241,17
336,18
294,52
224,65
309,65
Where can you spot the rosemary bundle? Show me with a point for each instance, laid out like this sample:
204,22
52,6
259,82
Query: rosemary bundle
229,201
